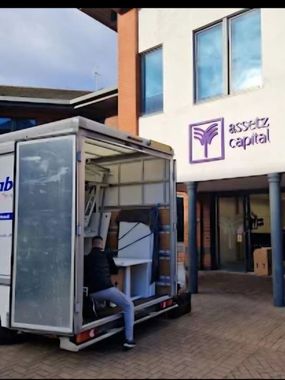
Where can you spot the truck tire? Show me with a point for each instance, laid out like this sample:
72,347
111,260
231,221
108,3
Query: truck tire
8,336
184,305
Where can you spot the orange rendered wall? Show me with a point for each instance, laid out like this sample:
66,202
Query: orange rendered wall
128,76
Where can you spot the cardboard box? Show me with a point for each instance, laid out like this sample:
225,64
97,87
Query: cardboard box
164,267
164,214
113,221
262,258
164,241
112,240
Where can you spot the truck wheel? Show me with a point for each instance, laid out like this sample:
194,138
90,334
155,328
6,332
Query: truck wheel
184,305
10,336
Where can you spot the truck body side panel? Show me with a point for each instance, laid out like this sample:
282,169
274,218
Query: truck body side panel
6,220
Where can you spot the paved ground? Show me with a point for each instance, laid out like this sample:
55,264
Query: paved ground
232,332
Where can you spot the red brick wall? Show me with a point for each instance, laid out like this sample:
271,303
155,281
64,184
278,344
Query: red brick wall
203,225
206,202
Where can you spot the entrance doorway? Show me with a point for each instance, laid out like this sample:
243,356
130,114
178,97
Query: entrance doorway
232,247
243,226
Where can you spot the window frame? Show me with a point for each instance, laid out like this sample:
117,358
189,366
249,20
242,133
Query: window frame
143,81
226,44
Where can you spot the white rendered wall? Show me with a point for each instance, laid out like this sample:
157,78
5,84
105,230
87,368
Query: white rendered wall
173,28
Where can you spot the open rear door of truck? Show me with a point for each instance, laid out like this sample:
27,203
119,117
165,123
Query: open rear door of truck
44,234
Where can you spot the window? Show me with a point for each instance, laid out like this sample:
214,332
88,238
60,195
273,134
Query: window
8,124
209,62
152,81
245,51
5,125
228,56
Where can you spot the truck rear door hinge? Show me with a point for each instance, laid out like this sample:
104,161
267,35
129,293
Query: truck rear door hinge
78,230
77,307
78,156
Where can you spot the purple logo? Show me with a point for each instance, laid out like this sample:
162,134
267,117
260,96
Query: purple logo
207,141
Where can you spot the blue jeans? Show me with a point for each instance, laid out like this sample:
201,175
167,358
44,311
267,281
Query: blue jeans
120,299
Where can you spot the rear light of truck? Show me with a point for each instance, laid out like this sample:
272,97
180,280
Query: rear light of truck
166,303
85,335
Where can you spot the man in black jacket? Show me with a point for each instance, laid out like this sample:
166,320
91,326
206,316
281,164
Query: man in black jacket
98,267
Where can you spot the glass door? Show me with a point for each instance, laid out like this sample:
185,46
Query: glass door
232,233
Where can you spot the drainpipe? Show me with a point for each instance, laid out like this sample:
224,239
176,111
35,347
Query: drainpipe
192,237
276,239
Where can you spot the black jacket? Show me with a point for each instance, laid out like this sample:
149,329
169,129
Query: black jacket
98,267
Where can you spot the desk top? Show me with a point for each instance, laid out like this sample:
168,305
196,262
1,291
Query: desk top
128,261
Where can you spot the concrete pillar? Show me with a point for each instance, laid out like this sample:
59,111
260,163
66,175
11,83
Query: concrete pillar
276,239
192,237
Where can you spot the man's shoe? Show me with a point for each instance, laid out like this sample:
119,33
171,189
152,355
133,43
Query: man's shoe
129,344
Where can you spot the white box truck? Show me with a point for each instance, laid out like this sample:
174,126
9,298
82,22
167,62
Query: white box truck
62,183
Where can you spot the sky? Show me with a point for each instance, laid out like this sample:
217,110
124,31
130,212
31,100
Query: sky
56,48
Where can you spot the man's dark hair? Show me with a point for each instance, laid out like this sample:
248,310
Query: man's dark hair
98,237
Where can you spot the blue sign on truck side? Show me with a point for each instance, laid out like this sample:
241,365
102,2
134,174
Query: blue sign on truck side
6,184
6,215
